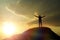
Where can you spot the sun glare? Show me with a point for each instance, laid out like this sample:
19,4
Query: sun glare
8,28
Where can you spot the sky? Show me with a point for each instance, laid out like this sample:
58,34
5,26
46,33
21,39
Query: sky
48,8
22,11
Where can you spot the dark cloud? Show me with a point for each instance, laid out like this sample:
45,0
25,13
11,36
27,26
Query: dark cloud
54,20
49,8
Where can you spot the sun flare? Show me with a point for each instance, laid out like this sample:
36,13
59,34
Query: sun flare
8,28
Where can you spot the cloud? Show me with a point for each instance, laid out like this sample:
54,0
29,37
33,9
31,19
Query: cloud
13,12
49,8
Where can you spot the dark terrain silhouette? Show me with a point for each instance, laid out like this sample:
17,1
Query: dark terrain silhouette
42,33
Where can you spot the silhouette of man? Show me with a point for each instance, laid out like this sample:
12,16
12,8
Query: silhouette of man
40,20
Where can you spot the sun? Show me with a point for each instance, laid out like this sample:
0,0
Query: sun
8,28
